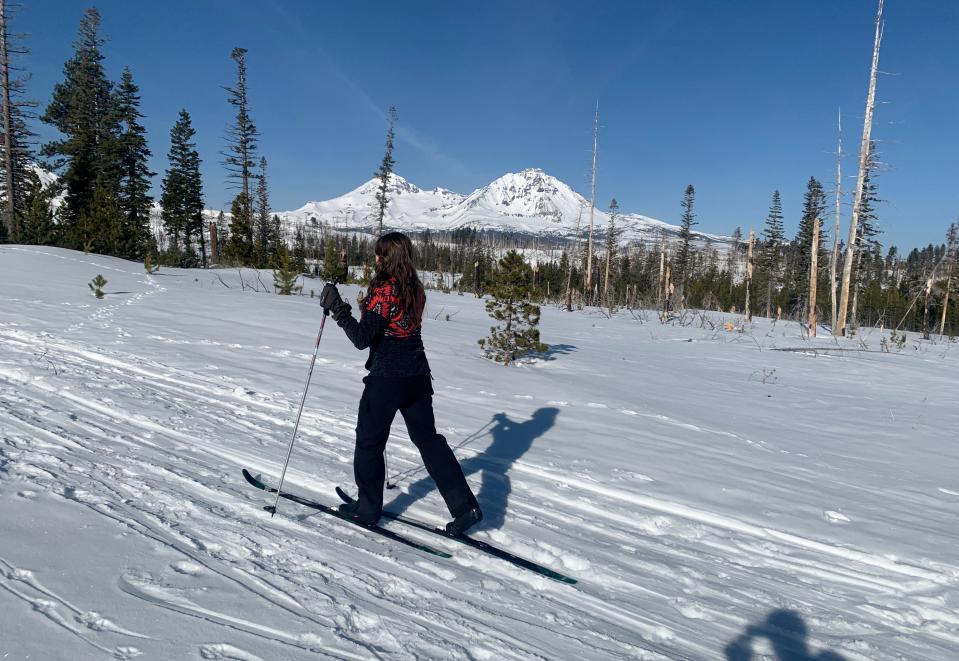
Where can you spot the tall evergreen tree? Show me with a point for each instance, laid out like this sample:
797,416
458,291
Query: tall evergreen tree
772,238
182,193
132,155
612,243
82,111
687,221
814,208
262,226
35,226
240,159
867,249
299,250
385,172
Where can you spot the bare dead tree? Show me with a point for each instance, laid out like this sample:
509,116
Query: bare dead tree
834,258
813,277
952,246
17,152
8,209
840,328
749,275
572,258
592,205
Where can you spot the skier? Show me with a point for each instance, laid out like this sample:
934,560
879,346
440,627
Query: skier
399,378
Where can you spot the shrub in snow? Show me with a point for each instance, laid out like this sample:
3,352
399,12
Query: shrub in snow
509,304
96,285
286,274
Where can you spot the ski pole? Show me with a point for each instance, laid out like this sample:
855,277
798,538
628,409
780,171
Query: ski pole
289,453
386,468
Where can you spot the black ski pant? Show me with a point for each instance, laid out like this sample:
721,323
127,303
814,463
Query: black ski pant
413,398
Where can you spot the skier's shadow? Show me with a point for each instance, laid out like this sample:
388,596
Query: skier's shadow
510,441
786,632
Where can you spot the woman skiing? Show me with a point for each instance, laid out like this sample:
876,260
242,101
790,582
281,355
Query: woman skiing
399,380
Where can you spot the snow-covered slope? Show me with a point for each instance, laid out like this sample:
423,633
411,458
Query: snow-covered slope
713,496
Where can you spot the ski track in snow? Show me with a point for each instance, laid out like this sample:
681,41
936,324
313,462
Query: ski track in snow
152,440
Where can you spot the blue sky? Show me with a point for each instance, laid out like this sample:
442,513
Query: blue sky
738,98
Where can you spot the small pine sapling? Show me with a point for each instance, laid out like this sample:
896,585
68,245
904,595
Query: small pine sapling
519,334
96,285
286,274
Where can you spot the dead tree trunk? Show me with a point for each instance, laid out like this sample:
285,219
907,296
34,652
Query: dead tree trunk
945,306
749,275
840,328
952,243
572,257
214,245
662,271
834,259
9,188
813,278
592,207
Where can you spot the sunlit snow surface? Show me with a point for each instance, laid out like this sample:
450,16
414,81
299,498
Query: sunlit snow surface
714,497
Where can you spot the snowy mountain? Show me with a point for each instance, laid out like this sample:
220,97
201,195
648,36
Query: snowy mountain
530,203
527,203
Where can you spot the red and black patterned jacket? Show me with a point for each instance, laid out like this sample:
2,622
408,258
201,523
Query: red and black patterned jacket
396,347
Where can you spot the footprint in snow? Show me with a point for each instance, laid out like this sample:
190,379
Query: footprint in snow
186,567
523,396
596,405
226,651
557,403
836,517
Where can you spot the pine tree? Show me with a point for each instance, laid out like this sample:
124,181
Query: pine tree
182,193
261,225
511,291
299,251
385,172
612,242
686,224
16,146
286,274
277,242
868,248
814,208
240,159
131,155
82,111
772,238
35,226
333,263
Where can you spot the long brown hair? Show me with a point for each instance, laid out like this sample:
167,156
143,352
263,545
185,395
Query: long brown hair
395,251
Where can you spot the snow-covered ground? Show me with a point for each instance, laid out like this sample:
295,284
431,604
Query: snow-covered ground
714,497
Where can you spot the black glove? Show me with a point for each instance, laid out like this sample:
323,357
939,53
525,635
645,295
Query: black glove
341,311
330,298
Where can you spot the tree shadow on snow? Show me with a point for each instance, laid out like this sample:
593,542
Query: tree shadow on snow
556,350
511,440
786,632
